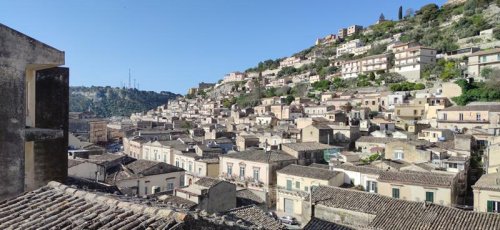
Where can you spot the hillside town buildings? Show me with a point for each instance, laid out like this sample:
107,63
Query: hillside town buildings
365,157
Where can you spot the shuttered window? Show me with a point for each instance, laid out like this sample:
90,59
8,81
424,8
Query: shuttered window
395,193
429,197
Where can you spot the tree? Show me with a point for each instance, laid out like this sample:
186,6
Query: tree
428,13
289,99
400,13
490,73
381,18
450,71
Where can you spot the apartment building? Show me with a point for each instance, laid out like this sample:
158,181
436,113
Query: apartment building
354,29
411,58
349,47
351,69
290,61
459,117
376,63
234,76
481,60
342,33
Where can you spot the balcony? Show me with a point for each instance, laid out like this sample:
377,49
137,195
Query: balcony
242,181
292,192
484,121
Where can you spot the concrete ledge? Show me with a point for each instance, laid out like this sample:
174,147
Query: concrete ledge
37,134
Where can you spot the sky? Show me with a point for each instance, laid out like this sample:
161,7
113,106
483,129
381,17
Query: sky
173,45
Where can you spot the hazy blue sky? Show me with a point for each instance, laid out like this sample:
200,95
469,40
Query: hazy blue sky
173,45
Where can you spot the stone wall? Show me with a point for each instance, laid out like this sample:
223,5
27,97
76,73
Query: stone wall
19,54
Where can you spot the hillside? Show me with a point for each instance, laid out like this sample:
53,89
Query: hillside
467,24
108,101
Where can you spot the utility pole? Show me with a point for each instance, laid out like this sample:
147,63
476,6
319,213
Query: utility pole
129,76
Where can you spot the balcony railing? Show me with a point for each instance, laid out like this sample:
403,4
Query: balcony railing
292,192
243,181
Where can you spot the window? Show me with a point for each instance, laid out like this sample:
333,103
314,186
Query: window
146,190
493,206
373,102
156,190
483,59
190,166
399,112
199,171
452,165
371,186
297,184
256,173
461,116
242,172
414,112
288,184
429,197
395,193
170,186
445,116
399,155
306,188
177,163
229,169
478,116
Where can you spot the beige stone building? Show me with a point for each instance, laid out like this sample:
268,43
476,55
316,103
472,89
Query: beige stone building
436,188
435,135
206,193
371,145
196,166
487,193
409,151
481,60
143,177
255,170
132,146
351,69
319,133
376,63
354,29
411,58
294,183
486,117
409,112
310,152
246,141
98,132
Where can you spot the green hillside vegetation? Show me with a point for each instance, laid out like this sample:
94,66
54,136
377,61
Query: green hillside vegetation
108,101
478,91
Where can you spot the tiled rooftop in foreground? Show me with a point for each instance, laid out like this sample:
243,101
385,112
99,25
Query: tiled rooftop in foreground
57,206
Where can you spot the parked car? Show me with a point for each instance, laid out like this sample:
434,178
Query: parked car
289,220
273,215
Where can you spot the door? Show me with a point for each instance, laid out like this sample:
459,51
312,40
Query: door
288,206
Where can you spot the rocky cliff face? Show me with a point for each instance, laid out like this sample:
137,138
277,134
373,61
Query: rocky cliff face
108,101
